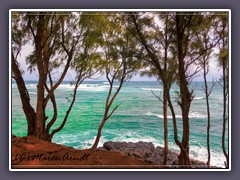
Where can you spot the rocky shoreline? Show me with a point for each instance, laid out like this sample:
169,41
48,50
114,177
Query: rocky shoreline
146,152
30,152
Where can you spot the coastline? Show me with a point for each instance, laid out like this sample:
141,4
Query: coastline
138,118
30,152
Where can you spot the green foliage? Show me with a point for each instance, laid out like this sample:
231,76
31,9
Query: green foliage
19,32
116,46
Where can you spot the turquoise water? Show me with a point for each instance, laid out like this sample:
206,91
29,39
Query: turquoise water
139,118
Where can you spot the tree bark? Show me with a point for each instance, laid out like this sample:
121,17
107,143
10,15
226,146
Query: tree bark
165,159
40,112
25,99
109,100
94,146
68,111
180,144
208,111
224,113
166,90
162,76
185,95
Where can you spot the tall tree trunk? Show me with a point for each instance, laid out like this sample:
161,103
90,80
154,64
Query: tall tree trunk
165,92
109,100
224,113
106,115
180,145
40,118
27,108
49,138
208,111
185,95
165,159
162,76
40,109
94,146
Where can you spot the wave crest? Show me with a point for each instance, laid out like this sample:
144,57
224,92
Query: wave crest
191,115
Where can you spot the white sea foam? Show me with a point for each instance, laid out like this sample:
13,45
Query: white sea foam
191,115
88,87
197,152
150,89
200,153
88,143
161,116
66,86
133,137
84,87
198,98
197,115
31,85
33,93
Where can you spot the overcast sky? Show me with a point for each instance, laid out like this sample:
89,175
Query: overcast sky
214,70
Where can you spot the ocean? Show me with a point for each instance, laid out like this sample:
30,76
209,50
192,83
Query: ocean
138,118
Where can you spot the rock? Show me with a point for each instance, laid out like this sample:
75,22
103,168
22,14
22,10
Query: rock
146,152
140,150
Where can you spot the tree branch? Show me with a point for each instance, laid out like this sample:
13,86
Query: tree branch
113,111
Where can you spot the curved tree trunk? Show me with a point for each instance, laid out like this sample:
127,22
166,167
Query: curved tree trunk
183,153
165,159
40,109
27,108
185,95
224,114
49,138
94,146
208,112
165,91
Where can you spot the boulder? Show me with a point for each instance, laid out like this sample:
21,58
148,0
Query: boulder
146,152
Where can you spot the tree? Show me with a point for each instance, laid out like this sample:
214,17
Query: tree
181,43
191,48
207,40
187,26
56,39
37,29
157,42
118,62
206,89
19,31
222,31
84,56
